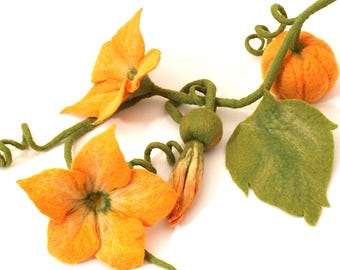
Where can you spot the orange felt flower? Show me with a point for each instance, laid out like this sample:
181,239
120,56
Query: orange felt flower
120,66
100,205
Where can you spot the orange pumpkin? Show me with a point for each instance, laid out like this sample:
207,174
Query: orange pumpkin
306,75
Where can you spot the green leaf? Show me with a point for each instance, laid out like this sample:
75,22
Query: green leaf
284,152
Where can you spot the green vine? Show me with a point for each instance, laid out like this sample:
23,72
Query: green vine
154,260
263,34
200,128
198,93
68,136
167,150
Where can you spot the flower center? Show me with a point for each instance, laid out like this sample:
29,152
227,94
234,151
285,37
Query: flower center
131,74
98,201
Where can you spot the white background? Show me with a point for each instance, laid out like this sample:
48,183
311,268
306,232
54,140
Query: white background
47,51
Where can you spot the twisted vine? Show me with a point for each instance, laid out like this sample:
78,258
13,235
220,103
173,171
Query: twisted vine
263,34
68,136
167,149
199,92
205,87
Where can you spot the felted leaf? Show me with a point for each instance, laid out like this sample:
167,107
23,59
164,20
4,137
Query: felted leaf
284,152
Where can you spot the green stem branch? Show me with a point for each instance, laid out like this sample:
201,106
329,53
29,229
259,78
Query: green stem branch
186,96
291,41
28,138
154,260
68,136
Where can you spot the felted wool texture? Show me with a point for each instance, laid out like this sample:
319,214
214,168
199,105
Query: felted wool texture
100,206
306,75
202,125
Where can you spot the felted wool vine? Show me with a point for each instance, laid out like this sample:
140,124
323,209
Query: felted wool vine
284,151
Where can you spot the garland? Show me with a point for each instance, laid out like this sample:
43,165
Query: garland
283,151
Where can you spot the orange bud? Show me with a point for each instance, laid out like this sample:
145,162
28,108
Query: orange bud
186,179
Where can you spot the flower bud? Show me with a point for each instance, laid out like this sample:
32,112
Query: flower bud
186,179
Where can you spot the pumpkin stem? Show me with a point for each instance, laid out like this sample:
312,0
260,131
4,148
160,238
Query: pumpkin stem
296,46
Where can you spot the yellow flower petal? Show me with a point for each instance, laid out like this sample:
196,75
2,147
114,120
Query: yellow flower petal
129,42
147,197
148,63
119,67
111,104
55,192
122,241
103,162
109,64
74,240
123,52
92,104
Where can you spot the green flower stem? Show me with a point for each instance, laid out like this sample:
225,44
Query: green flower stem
175,96
145,90
239,103
28,139
186,96
173,111
69,141
211,102
210,95
68,136
154,260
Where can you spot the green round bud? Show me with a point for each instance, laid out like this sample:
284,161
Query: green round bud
202,125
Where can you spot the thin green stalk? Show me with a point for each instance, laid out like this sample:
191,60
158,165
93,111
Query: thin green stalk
69,141
172,110
6,157
175,96
20,146
239,103
67,136
28,138
210,95
154,260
